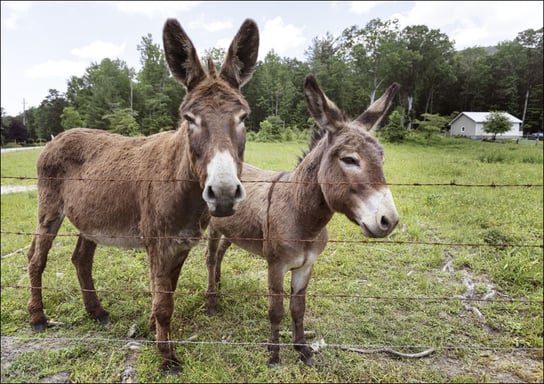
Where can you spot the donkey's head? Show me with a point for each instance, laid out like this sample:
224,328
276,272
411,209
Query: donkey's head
213,112
351,169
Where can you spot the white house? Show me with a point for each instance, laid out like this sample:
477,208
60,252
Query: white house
471,124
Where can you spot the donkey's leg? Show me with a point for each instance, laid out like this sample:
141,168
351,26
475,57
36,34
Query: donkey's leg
299,282
224,245
276,311
211,264
165,269
82,258
214,257
48,226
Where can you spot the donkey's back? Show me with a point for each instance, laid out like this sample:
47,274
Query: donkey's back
99,179
79,150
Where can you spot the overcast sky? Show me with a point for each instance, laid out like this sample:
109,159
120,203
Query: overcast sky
44,43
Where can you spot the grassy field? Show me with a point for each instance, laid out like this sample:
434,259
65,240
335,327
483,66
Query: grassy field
405,294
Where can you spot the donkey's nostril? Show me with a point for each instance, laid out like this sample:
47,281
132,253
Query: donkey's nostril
209,193
385,223
238,193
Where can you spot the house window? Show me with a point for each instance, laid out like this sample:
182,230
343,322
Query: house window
462,129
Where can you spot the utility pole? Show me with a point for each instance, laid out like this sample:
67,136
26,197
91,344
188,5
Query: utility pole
24,113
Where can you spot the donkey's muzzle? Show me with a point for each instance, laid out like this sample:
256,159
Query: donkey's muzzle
223,200
223,191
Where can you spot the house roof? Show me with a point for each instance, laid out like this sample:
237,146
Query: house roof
480,117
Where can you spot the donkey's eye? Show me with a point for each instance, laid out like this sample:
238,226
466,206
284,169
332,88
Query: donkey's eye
191,120
242,119
350,160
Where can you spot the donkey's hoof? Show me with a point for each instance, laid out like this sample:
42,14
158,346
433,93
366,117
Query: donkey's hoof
210,311
306,356
273,362
104,319
39,326
172,367
307,360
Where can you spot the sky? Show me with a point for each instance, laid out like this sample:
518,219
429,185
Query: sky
44,43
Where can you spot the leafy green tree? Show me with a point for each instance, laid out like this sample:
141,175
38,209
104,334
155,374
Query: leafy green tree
430,125
532,41
13,130
271,129
427,67
103,88
371,52
70,118
216,54
156,101
470,67
333,72
123,122
394,131
497,123
48,115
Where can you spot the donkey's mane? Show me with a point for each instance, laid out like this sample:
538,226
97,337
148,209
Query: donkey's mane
316,134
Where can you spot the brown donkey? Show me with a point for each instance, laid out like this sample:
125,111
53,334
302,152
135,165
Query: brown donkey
149,192
343,172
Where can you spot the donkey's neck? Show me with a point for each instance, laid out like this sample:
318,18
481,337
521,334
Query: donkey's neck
304,192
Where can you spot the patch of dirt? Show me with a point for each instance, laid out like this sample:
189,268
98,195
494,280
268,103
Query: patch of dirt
517,367
13,346
5,189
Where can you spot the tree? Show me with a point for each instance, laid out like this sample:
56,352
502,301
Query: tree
103,88
426,67
48,115
371,52
70,118
430,125
123,122
335,76
532,42
394,130
271,129
497,123
158,94
13,130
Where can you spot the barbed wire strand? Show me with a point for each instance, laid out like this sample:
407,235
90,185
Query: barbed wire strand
286,295
346,241
266,344
414,184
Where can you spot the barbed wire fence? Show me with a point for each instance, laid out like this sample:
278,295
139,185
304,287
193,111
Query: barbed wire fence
359,348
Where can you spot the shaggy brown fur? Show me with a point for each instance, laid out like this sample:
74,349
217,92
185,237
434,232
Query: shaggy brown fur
152,192
288,212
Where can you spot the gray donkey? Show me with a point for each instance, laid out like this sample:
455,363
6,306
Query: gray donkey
285,214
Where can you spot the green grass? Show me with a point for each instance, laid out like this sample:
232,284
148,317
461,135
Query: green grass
19,164
363,294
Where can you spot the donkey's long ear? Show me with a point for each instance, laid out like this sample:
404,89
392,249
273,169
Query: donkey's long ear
242,55
325,113
375,113
181,55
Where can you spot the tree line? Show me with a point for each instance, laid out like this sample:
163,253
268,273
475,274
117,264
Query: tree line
437,82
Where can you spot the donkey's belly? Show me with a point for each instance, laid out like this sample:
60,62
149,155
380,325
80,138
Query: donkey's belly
105,212
121,239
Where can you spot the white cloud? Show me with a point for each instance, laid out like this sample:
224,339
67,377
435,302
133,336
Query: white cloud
364,7
98,50
57,68
215,26
475,23
12,12
283,38
223,43
157,8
